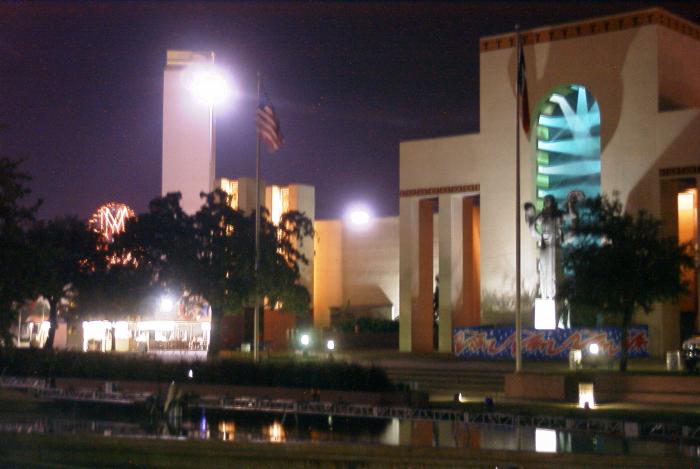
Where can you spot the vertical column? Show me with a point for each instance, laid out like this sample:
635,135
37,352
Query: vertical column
450,270
697,253
422,330
408,269
665,322
471,313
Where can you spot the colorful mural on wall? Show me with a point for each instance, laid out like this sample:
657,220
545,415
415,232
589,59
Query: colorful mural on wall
486,343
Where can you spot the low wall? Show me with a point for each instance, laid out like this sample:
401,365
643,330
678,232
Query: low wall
260,392
609,387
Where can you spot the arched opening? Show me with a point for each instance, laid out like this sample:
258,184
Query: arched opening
567,144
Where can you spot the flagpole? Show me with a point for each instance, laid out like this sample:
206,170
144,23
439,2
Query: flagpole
256,312
518,312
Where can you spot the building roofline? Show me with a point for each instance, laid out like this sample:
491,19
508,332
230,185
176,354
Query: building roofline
589,27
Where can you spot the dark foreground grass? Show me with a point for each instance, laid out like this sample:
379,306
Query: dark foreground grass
51,451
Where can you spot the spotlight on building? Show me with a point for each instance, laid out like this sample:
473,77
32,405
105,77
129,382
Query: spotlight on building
166,304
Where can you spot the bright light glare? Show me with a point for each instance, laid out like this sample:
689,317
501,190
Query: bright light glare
594,349
330,345
586,395
359,217
545,440
211,88
305,340
166,304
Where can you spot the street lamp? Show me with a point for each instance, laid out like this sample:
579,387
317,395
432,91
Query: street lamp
166,304
210,87
358,217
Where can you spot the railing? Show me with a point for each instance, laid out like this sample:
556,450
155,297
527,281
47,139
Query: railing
666,430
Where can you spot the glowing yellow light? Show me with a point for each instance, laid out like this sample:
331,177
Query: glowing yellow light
279,205
276,433
227,430
230,186
585,395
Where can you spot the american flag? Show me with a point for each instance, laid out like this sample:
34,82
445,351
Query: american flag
268,125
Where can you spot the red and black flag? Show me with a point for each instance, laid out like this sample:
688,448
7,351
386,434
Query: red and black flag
268,125
522,88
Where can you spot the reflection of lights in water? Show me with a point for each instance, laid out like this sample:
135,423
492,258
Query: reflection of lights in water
227,430
275,433
203,431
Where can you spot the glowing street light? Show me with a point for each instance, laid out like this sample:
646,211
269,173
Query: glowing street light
166,304
305,340
211,88
330,345
593,349
359,217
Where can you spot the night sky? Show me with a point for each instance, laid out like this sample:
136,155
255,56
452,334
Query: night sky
81,89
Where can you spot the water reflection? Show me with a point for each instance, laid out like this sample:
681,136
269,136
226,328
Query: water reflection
275,433
290,428
227,430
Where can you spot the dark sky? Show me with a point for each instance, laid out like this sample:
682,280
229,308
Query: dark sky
81,89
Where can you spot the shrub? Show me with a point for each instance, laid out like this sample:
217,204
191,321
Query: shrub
95,365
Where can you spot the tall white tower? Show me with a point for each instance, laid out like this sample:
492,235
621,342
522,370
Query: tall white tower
188,131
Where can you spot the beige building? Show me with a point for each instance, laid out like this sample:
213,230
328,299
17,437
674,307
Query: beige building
188,131
639,72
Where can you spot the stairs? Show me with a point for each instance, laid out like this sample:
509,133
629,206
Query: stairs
449,381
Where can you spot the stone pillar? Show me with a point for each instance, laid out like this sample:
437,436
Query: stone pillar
408,268
471,312
450,270
416,275
422,330
697,253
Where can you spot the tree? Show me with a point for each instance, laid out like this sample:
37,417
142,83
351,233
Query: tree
621,263
15,217
64,252
212,255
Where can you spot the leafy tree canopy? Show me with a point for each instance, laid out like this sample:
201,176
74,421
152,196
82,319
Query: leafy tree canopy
15,217
212,254
622,263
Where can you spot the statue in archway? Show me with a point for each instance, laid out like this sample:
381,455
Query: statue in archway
547,227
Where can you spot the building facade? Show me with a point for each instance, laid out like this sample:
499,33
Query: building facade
614,106
189,160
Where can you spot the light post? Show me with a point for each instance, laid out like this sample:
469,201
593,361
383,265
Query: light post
209,86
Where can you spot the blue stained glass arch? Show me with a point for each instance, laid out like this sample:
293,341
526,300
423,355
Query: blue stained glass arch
568,144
